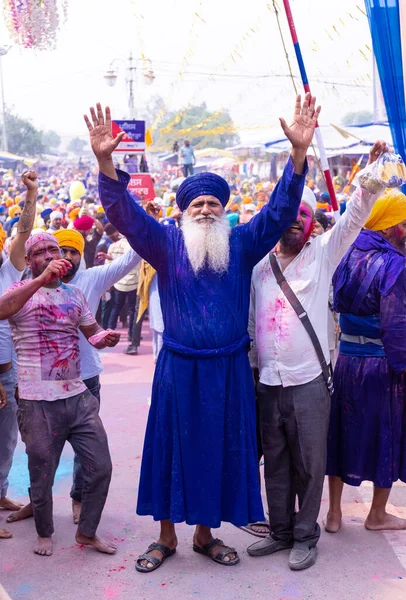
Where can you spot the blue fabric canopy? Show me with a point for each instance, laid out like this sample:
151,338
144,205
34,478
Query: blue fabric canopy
384,22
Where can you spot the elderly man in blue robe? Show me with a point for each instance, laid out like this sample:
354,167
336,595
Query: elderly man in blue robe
200,453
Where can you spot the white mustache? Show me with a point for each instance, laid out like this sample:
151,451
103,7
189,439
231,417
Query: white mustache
205,217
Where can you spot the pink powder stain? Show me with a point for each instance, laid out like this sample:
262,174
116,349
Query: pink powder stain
110,592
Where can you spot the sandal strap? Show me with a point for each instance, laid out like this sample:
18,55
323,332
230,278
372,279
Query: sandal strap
214,542
165,550
221,554
151,559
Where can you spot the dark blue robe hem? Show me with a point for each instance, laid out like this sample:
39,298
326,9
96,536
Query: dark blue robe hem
356,482
195,521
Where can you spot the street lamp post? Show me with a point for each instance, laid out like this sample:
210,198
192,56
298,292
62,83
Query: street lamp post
111,78
3,52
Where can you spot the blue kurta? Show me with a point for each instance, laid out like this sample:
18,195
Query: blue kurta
200,461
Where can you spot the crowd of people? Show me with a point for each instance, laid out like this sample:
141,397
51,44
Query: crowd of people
247,291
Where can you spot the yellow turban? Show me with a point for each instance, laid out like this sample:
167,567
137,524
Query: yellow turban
388,210
13,210
3,237
71,238
100,210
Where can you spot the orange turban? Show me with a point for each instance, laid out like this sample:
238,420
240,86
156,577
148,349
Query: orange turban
71,238
3,237
74,213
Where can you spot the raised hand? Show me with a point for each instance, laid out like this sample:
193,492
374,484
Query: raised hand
378,148
101,140
30,180
300,132
55,270
153,210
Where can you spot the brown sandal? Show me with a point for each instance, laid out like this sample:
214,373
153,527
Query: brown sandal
221,554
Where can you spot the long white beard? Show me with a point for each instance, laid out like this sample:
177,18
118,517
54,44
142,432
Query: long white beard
207,243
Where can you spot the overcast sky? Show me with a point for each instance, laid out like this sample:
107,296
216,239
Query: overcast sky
200,50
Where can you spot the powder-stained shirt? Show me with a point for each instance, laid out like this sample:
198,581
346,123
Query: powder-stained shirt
46,338
282,348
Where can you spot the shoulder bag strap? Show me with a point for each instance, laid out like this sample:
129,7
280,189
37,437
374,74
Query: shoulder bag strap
304,318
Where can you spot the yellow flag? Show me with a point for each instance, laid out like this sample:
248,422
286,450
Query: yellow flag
148,138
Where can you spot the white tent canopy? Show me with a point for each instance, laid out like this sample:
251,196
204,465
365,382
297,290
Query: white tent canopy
338,140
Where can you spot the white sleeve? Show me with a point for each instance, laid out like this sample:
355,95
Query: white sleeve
337,241
9,274
107,275
253,354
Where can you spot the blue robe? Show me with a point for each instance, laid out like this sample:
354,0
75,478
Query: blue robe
200,461
367,440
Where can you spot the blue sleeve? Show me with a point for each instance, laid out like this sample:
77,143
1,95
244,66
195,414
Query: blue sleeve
145,235
393,324
262,233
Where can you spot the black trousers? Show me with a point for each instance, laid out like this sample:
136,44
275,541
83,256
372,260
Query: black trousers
294,425
118,301
45,427
93,385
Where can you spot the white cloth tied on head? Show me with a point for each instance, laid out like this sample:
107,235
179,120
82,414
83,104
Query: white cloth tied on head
309,197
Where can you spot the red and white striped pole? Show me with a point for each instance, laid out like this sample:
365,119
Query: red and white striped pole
317,132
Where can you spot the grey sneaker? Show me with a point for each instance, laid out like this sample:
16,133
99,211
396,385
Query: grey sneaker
268,546
302,557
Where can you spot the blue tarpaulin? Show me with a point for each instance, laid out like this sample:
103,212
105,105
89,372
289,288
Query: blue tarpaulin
384,22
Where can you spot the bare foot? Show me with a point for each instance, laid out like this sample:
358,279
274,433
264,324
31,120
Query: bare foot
5,534
332,522
96,542
76,508
44,546
8,504
259,528
387,521
24,513
172,544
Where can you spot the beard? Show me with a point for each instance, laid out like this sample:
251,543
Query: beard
293,240
207,243
73,269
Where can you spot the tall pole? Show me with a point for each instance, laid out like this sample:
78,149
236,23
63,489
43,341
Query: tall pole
305,81
131,79
3,51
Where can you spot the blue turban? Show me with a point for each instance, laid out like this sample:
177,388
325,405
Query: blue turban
202,184
45,213
12,222
233,219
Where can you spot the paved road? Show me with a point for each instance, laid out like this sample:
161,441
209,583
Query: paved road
352,565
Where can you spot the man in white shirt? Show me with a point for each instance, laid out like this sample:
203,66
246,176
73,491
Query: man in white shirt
93,282
294,403
11,270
